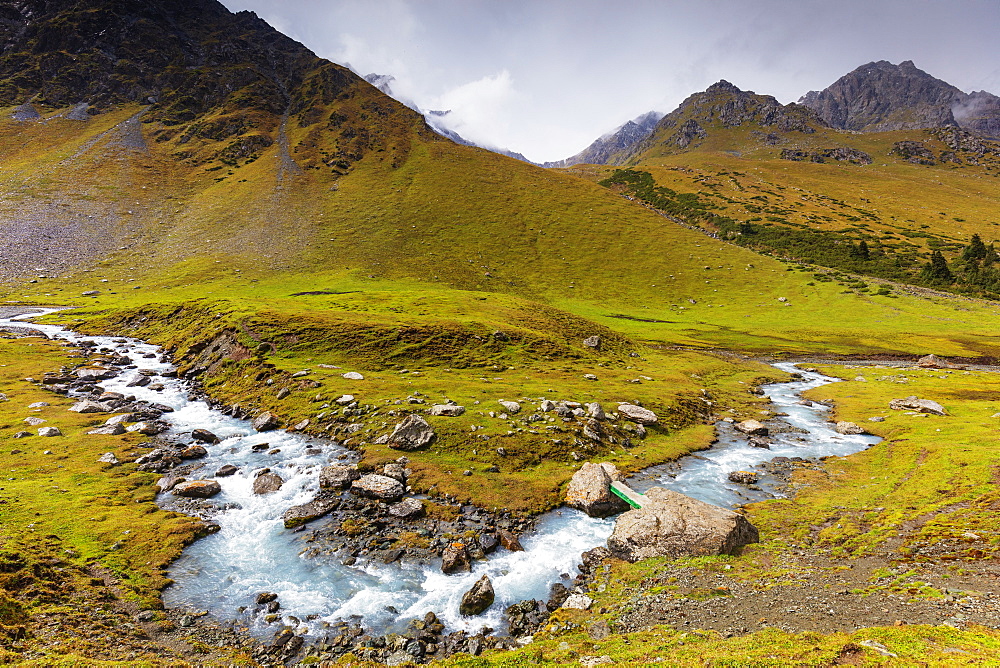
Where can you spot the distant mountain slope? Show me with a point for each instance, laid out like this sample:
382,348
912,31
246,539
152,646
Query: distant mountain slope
616,141
881,96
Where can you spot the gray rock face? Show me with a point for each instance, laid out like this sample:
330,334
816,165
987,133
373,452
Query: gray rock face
637,414
447,410
411,434
478,599
25,112
912,403
849,428
87,406
316,508
604,150
590,490
197,489
337,476
674,525
267,483
374,486
266,421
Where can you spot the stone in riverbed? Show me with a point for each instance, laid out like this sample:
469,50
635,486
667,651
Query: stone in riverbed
204,435
478,599
193,452
225,471
374,486
411,434
752,428
316,508
197,489
407,509
337,476
590,490
637,414
266,421
743,477
509,541
673,525
267,482
456,558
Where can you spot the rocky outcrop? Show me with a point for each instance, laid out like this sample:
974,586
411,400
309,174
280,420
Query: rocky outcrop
673,525
604,149
849,428
447,410
411,434
913,403
456,558
840,154
478,599
934,362
752,428
590,490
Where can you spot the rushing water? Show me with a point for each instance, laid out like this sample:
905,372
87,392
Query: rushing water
252,552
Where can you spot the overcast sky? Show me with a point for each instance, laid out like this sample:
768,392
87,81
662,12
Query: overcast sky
547,77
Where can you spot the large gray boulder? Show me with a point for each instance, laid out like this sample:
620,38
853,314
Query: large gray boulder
752,427
478,599
637,414
412,433
337,476
912,403
88,406
673,525
266,421
267,483
849,428
447,410
374,486
590,490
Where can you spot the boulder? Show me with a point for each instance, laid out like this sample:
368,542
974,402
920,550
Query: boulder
204,435
637,414
511,407
337,476
547,406
743,477
849,428
578,602
673,525
374,486
593,342
407,509
752,427
95,374
34,421
118,419
595,411
148,428
456,558
109,430
193,452
935,362
297,515
108,458
396,471
344,399
509,541
913,403
267,483
87,406
353,375
447,410
49,431
411,434
478,599
197,489
590,490
266,421
226,470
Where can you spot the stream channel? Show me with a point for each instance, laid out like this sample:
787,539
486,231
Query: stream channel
253,552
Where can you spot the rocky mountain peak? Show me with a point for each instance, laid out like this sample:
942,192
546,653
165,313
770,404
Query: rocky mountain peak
604,148
881,96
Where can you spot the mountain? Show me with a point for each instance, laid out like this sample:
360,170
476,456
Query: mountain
437,120
881,96
616,141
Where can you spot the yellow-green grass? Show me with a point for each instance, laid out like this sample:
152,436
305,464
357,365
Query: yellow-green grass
96,512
